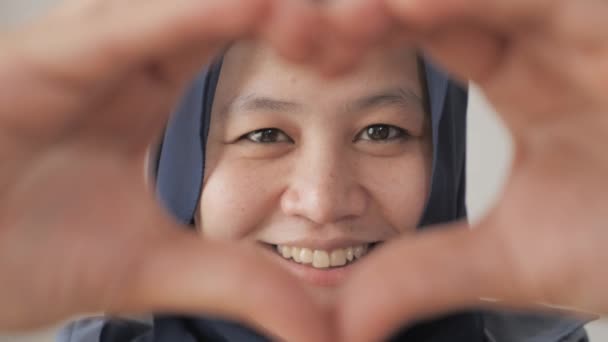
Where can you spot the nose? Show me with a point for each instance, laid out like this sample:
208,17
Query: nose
324,188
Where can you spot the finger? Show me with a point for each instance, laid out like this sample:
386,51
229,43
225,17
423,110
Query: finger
467,49
468,52
126,34
295,30
339,56
506,15
417,277
55,61
362,21
582,22
182,274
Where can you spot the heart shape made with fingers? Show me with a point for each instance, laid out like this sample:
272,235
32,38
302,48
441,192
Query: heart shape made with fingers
77,212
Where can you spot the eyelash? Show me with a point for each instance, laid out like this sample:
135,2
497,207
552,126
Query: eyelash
278,136
263,133
394,133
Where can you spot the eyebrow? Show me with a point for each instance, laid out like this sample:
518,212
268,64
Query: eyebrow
257,103
402,97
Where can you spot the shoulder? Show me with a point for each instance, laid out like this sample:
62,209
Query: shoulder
502,326
106,329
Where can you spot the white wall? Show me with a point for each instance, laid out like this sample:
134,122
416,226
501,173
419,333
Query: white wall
489,154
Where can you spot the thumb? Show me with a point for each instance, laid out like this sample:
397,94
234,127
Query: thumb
183,274
445,269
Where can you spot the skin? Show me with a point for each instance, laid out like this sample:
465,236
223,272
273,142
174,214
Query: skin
321,176
80,230
102,76
543,64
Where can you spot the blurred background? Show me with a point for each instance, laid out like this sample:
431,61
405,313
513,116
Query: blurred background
488,157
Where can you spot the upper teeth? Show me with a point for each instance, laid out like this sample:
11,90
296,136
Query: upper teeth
320,258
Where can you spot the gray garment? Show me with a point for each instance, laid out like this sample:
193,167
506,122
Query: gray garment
500,326
84,330
92,329
505,326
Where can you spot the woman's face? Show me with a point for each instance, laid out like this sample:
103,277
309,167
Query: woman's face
314,170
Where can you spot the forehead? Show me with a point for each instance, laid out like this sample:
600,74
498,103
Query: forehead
252,68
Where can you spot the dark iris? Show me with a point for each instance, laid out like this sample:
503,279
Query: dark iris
378,132
268,135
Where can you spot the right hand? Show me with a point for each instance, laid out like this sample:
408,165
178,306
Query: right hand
84,92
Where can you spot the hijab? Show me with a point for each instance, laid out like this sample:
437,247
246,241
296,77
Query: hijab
181,166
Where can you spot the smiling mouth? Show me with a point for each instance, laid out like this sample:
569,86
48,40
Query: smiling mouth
318,267
322,259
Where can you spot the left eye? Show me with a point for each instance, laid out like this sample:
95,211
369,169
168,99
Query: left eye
267,136
382,133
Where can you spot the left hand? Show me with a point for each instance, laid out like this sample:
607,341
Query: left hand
84,91
544,65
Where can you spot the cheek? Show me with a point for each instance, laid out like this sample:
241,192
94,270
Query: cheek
236,198
400,188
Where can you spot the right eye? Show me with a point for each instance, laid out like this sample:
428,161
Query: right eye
267,136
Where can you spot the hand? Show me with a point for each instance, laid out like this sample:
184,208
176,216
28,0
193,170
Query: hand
544,65
83,93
